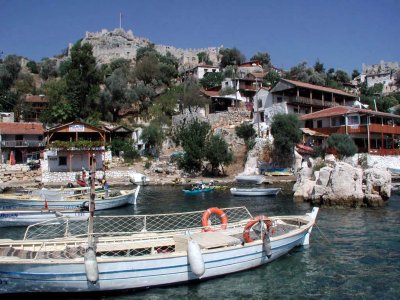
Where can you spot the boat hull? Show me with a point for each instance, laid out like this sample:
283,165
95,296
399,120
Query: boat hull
26,218
255,192
257,179
196,192
136,272
10,202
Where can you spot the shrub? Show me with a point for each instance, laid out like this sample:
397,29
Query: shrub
343,144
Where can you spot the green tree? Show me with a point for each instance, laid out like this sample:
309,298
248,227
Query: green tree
192,99
117,85
271,78
193,138
48,69
246,131
83,80
343,144
211,79
217,153
153,137
355,74
204,58
286,132
231,57
25,84
64,67
33,67
13,65
319,67
165,106
263,58
147,69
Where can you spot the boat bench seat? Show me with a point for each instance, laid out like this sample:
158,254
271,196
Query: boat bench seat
206,240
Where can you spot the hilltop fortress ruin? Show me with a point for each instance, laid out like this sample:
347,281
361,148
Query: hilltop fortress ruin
109,45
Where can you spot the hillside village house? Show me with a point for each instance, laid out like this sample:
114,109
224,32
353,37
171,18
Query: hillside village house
303,98
20,142
70,146
373,132
34,105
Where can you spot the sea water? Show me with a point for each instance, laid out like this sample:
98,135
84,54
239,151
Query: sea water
354,253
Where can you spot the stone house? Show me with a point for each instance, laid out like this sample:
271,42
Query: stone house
20,142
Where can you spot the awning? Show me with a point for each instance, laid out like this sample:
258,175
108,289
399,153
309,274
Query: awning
313,133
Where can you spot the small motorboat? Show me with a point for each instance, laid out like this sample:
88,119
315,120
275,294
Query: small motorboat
255,191
198,191
257,179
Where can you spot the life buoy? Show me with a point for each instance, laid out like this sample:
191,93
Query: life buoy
251,223
217,211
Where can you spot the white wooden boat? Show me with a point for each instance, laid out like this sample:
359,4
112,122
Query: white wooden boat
129,252
9,218
105,200
258,179
139,178
255,191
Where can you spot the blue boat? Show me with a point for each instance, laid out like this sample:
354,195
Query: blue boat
197,191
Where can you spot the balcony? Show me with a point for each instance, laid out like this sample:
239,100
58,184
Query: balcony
22,143
312,102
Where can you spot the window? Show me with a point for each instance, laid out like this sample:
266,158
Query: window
319,123
279,99
337,121
62,161
353,120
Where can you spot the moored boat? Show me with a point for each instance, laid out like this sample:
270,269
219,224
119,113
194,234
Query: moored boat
255,191
104,200
257,179
197,191
140,251
10,218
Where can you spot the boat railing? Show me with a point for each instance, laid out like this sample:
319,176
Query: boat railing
64,228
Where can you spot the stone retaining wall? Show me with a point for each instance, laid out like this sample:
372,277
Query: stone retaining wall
18,173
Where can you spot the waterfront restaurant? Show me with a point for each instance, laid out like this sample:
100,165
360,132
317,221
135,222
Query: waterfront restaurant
70,146
373,132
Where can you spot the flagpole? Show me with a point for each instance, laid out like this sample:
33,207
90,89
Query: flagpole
120,20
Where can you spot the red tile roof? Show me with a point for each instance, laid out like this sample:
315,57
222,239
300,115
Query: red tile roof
318,87
36,98
21,128
344,110
210,93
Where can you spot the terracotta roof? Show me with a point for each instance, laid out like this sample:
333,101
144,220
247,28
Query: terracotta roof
343,110
21,128
318,87
258,74
36,98
60,127
210,93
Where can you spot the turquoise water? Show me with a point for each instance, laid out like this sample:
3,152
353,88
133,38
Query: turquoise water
353,253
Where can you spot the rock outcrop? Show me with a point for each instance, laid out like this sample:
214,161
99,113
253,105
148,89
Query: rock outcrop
341,184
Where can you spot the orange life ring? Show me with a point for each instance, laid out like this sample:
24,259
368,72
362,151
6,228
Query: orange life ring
207,214
251,223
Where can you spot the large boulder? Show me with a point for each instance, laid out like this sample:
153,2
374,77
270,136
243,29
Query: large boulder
341,184
378,186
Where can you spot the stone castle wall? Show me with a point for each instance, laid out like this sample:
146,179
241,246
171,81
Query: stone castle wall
109,45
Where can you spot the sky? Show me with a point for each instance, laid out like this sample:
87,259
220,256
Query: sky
342,34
